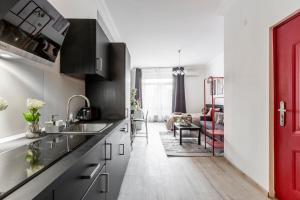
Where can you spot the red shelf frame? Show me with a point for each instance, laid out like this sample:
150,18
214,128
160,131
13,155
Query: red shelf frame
214,143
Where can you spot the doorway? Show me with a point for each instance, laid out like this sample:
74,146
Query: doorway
286,60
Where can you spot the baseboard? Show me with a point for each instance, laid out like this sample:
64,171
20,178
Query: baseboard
273,198
250,180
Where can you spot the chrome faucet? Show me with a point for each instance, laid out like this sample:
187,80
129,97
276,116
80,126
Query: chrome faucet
68,120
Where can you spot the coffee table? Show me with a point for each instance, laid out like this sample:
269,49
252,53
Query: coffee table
181,128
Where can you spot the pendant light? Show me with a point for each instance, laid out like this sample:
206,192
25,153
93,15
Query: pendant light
178,71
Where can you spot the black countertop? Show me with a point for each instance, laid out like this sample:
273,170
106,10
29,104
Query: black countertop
19,166
23,163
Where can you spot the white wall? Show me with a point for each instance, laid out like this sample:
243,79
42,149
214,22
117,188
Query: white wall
194,83
216,66
247,26
22,79
194,89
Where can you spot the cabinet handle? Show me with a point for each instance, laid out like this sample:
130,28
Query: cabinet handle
123,149
99,64
125,129
110,152
88,174
106,183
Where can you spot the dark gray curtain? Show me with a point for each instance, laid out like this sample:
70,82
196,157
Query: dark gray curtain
138,85
178,99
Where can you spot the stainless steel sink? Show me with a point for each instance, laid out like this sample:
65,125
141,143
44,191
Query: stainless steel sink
86,129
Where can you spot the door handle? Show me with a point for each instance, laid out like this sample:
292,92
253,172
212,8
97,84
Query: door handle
110,151
106,175
282,112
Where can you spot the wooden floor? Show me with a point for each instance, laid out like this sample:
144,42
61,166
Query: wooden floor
151,175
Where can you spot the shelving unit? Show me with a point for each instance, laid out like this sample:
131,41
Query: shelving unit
213,137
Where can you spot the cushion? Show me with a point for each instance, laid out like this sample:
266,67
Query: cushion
209,113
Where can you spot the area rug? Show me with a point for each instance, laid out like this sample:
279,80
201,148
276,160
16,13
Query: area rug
189,147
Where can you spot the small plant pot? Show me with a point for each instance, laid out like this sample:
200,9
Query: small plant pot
33,130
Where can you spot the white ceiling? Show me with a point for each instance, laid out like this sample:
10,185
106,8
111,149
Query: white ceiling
154,30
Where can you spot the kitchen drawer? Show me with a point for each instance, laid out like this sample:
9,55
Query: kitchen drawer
76,181
99,187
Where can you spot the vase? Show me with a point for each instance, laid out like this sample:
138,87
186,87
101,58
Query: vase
33,130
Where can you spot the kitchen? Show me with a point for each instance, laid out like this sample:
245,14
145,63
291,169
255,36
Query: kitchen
61,158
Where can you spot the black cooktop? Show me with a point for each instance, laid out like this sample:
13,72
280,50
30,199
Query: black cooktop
20,165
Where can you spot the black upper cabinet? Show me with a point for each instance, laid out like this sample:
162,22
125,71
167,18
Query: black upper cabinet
112,97
85,50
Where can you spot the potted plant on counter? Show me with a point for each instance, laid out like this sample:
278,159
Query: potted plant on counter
32,116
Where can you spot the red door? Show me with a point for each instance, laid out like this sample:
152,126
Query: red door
287,109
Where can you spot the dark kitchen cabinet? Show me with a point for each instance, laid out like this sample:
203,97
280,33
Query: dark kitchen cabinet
112,97
85,50
76,181
45,195
98,174
99,187
117,157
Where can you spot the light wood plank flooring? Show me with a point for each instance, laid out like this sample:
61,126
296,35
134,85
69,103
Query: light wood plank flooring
151,175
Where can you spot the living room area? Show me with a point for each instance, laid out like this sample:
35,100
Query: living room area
162,165
188,99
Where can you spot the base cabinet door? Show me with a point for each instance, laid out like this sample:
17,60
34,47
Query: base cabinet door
117,157
113,164
125,150
99,187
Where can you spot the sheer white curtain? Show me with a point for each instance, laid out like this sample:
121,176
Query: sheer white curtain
157,93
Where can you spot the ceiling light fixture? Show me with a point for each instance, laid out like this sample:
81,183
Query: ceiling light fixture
178,71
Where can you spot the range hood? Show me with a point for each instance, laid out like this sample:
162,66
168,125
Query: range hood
32,29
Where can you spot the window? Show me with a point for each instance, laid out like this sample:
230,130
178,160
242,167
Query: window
157,93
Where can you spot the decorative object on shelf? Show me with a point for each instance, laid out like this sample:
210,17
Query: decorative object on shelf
178,71
32,158
33,117
216,85
3,104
